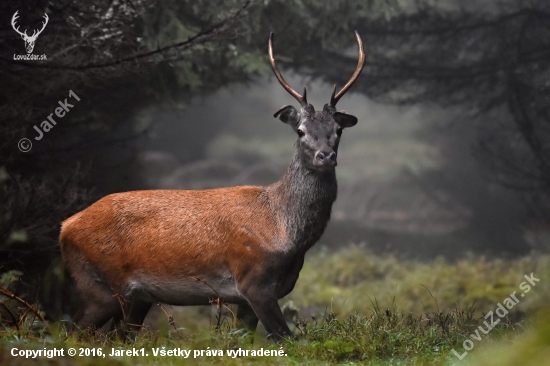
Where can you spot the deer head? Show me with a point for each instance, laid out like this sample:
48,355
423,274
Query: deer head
29,40
318,132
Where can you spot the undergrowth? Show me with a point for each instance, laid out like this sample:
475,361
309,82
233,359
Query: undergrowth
354,308
387,335
348,279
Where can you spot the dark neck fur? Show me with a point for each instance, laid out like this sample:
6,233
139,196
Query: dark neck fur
305,197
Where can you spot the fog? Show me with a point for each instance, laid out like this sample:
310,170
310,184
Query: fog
389,166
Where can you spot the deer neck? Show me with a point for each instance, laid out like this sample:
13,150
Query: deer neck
305,200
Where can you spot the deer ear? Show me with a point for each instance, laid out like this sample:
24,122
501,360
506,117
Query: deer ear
345,120
289,115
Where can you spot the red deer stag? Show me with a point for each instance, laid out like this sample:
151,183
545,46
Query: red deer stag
241,245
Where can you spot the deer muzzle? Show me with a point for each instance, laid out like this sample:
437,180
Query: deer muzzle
325,159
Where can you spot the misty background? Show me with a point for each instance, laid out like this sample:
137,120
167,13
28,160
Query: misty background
449,158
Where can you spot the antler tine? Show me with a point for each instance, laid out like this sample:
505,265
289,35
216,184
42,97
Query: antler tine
46,18
358,69
13,19
300,98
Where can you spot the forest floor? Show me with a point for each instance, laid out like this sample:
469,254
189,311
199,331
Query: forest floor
348,307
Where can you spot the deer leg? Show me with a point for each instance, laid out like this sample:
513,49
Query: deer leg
137,314
118,325
130,319
247,318
286,285
97,303
264,304
95,311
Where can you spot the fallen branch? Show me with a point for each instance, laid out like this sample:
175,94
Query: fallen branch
30,308
14,322
219,303
170,319
122,302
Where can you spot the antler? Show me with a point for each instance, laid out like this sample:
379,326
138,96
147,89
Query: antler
360,64
35,33
301,99
13,19
43,25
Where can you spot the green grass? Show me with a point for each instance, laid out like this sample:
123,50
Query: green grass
348,280
386,335
531,348
357,309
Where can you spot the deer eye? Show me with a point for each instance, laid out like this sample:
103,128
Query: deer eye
339,131
300,133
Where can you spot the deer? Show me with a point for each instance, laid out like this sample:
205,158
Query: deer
29,40
241,245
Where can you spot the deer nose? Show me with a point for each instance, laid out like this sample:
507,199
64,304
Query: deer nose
327,158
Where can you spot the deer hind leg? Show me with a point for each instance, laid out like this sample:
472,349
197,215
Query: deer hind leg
98,302
137,311
98,306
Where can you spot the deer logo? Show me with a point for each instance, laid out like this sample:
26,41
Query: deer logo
29,40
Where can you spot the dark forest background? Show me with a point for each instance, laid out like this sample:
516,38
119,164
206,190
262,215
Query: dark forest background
451,156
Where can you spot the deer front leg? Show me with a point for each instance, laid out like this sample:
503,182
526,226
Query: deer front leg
286,285
263,302
247,318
